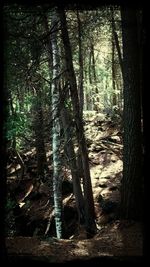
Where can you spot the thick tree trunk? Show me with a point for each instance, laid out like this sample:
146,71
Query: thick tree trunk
132,184
88,195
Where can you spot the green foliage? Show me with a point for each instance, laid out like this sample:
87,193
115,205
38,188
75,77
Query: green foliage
68,104
18,124
27,63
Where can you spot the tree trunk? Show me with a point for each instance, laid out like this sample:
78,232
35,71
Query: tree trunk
132,183
80,90
86,100
93,66
114,102
81,93
89,69
72,163
90,92
116,40
57,170
88,195
39,135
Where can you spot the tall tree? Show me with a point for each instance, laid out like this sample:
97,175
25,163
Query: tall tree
66,122
116,39
80,89
132,183
57,170
88,195
114,102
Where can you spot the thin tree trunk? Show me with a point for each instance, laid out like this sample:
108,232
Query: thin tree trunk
119,88
90,93
86,101
88,195
39,135
94,78
72,163
114,102
90,69
93,66
57,170
81,93
116,40
80,89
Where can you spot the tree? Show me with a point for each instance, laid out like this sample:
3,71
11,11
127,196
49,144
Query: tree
116,43
132,183
114,100
57,170
80,89
65,118
88,195
116,39
113,64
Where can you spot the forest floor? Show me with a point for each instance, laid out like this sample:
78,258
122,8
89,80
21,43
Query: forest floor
34,239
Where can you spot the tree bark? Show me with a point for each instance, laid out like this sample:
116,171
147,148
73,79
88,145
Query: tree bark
93,65
114,102
88,195
116,40
90,93
81,93
73,164
57,170
132,182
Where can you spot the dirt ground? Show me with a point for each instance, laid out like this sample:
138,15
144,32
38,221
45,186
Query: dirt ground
121,239
115,239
